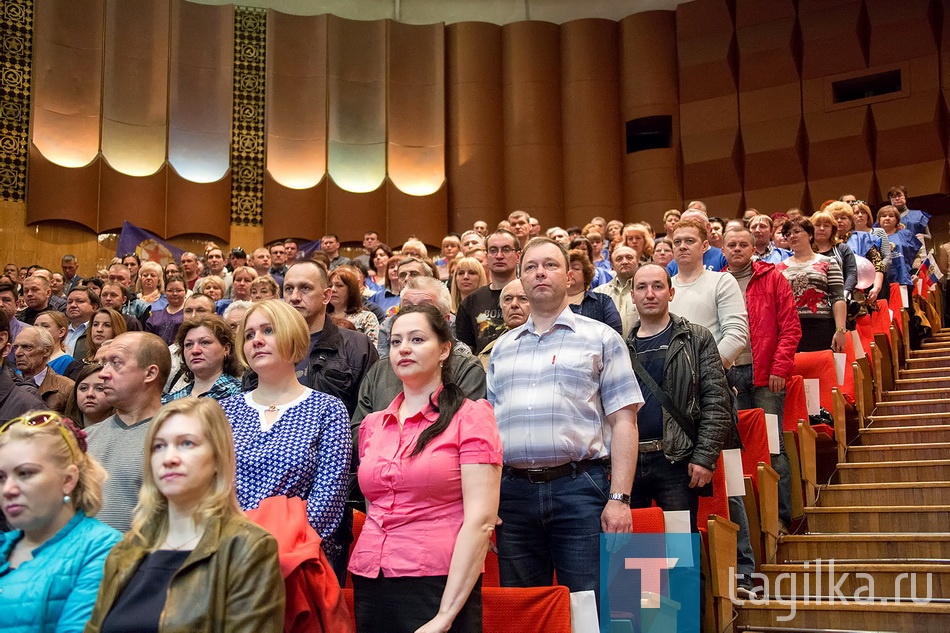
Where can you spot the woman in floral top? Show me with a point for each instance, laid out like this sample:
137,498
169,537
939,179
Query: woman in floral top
818,286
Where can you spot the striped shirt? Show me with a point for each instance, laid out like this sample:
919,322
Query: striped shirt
552,391
121,451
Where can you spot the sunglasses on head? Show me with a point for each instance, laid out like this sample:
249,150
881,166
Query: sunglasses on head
67,428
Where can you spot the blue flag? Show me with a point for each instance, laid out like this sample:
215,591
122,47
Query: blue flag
148,246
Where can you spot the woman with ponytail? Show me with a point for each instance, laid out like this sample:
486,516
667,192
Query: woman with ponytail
430,467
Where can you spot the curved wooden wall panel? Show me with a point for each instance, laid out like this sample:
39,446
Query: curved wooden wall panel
135,87
648,87
199,108
531,80
198,207
138,199
62,193
350,214
356,63
474,121
298,213
591,125
421,216
67,80
416,108
832,37
296,102
766,38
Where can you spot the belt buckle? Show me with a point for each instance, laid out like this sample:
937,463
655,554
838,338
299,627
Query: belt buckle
531,472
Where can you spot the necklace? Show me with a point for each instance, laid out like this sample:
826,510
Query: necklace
272,409
181,546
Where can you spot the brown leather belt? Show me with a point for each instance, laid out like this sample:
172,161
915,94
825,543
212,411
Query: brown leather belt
650,446
544,475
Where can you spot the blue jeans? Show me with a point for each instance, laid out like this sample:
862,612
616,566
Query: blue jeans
552,527
665,483
749,396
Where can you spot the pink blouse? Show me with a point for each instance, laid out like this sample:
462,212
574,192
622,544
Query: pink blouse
415,503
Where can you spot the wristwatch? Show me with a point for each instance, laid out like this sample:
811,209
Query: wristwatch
619,496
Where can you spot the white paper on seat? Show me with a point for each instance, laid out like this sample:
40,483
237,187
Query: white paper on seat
771,427
905,300
858,347
732,462
677,521
584,616
840,360
812,395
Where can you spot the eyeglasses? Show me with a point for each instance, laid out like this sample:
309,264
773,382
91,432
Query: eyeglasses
67,428
504,250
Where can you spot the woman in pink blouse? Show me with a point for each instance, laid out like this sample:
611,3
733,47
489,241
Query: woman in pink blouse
430,467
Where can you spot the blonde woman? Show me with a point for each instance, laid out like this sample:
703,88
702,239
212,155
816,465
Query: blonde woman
192,561
52,559
468,277
151,286
54,322
264,288
213,286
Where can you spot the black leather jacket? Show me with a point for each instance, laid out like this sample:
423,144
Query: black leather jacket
695,381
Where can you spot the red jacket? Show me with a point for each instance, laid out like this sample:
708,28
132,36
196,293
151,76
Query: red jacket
314,600
773,323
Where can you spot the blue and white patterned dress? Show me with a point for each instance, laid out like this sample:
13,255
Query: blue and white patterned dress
305,454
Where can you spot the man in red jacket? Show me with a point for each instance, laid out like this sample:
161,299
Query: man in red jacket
760,371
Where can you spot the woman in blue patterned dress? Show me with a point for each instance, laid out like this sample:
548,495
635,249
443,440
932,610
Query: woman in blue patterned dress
290,440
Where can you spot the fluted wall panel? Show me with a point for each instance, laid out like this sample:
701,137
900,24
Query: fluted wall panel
648,87
135,87
705,49
67,81
421,216
202,69
350,213
590,120
296,101
531,79
475,140
138,199
62,193
770,113
356,63
709,105
298,213
416,108
197,207
910,130
900,30
833,37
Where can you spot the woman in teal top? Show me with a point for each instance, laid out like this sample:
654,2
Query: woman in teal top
51,563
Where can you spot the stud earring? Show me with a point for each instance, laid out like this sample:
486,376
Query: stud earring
66,499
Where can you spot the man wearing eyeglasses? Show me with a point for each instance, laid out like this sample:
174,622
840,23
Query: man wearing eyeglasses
479,320
14,399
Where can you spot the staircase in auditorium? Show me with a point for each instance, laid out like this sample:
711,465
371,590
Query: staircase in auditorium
884,522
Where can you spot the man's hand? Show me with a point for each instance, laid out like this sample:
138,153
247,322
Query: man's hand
776,383
616,517
699,476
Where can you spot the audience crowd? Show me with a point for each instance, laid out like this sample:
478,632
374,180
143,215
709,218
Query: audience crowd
534,384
